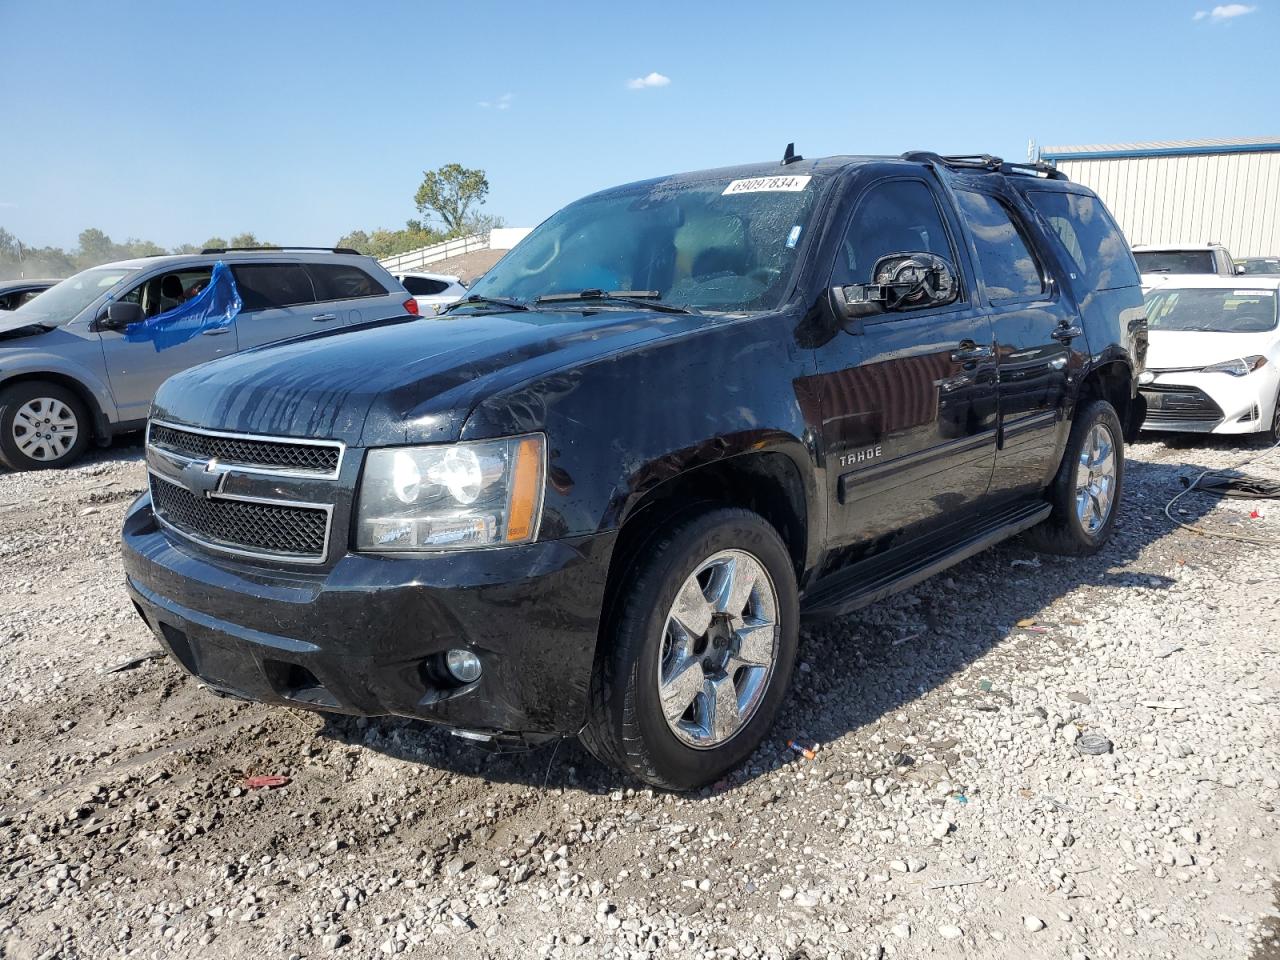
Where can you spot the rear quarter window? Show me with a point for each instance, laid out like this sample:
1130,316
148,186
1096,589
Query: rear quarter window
423,287
343,281
1097,254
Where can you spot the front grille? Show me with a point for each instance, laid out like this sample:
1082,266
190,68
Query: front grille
1172,403
296,533
309,458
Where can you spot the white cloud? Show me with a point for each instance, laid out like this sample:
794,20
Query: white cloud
1226,11
649,80
502,103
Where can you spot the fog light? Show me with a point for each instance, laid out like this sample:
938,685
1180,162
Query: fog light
463,665
1145,377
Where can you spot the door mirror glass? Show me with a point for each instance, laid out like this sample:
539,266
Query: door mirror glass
900,281
121,314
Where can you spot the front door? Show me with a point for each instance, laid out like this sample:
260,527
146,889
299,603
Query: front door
136,369
1030,317
908,405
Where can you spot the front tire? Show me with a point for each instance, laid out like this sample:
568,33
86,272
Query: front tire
43,426
700,651
1086,491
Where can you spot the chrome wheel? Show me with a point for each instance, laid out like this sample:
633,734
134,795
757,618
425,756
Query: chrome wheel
1096,479
45,429
719,647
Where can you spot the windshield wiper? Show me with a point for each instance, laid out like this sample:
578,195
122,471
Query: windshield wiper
496,301
648,299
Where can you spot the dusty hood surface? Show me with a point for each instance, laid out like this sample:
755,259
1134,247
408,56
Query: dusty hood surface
411,381
1173,349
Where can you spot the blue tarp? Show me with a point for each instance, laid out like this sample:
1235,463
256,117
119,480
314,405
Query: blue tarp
213,307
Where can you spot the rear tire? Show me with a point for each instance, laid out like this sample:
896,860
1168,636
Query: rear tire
1086,491
43,426
699,651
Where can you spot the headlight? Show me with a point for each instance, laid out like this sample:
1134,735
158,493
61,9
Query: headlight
1237,368
451,496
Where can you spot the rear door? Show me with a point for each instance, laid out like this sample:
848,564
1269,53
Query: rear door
136,369
277,303
908,404
346,294
1032,321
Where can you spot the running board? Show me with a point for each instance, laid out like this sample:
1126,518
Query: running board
902,567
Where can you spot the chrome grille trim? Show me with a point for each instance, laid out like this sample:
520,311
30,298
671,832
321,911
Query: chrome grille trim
248,466
242,550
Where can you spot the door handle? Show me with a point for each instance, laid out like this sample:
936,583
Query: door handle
325,316
1066,333
971,351
216,331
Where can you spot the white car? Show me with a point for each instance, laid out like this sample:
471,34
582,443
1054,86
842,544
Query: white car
1213,364
433,291
1159,264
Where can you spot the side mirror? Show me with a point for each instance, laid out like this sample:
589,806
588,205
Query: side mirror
900,281
120,314
1239,269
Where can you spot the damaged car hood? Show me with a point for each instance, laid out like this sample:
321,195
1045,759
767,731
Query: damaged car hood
16,326
409,381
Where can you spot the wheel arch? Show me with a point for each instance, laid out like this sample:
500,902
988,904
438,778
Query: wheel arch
1113,381
87,396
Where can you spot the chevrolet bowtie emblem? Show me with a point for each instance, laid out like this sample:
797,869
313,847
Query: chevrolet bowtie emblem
202,477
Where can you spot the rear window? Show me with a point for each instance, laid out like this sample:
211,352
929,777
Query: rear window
1176,261
1097,254
422,287
263,286
342,281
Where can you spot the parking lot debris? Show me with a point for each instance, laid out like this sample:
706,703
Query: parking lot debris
1167,650
137,661
1093,744
1033,562
809,753
265,781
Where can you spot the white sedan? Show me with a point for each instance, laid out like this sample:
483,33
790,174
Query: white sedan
1213,365
433,291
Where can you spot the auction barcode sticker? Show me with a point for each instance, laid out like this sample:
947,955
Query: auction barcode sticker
767,185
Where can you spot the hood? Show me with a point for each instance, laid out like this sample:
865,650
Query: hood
14,326
1193,349
410,381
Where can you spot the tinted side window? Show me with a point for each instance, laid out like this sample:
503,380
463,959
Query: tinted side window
1008,265
422,287
264,286
342,281
897,216
1098,250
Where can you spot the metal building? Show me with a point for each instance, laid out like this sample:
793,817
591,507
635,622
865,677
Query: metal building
1185,191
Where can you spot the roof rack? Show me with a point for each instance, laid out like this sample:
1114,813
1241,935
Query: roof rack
988,163
346,250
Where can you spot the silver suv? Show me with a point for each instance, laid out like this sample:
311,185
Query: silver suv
69,374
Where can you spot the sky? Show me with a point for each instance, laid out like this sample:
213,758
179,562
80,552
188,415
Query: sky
175,121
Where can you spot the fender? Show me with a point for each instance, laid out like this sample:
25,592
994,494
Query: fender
29,364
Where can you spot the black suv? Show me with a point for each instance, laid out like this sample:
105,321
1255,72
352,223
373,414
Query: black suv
596,496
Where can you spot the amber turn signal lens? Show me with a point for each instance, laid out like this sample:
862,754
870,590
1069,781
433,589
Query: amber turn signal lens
526,490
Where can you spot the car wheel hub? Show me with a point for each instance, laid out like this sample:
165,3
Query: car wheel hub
1096,479
45,429
719,646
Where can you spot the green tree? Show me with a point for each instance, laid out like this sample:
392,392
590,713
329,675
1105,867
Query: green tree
247,240
95,247
214,242
450,193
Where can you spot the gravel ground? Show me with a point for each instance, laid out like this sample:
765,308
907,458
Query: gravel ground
949,811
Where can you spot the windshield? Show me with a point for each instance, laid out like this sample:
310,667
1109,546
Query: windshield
1175,261
1265,266
63,301
712,245
1217,311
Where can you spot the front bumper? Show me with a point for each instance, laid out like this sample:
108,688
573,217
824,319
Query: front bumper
366,635
1195,402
